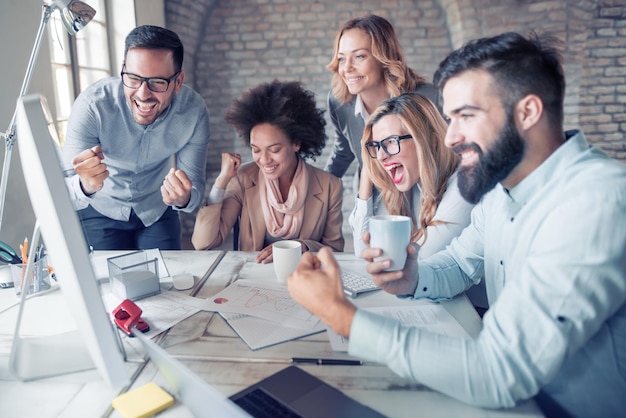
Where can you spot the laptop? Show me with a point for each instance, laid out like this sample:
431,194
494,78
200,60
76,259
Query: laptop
291,392
296,393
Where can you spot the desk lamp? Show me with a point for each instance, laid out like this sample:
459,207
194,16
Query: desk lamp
75,15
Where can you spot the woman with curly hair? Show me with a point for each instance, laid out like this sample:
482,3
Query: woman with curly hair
414,173
278,195
368,67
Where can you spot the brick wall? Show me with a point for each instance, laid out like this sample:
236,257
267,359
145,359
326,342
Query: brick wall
232,46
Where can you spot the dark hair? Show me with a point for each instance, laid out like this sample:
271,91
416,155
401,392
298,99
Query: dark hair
285,105
386,49
519,65
156,37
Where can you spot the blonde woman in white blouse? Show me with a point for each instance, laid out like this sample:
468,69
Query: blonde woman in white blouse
414,173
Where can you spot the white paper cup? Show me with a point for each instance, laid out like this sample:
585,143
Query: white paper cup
286,255
392,234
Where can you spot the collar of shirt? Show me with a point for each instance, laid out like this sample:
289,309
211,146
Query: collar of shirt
359,109
564,155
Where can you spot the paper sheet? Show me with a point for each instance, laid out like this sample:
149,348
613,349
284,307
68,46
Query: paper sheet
161,311
431,317
262,299
260,333
260,310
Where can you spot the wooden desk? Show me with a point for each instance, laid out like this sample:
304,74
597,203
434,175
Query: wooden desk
207,345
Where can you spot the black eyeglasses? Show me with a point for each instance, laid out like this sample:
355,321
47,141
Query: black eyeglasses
155,84
391,145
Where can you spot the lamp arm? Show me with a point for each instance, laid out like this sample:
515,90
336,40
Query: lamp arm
9,135
47,11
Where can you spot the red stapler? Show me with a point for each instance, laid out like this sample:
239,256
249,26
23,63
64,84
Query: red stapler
128,315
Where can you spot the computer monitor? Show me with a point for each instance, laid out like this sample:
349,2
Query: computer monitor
95,342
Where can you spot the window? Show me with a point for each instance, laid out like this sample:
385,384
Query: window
90,55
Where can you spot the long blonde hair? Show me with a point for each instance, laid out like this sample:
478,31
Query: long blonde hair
436,162
386,49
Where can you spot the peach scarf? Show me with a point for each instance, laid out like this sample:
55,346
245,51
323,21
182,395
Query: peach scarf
284,219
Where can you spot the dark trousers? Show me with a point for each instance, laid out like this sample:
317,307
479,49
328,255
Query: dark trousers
103,233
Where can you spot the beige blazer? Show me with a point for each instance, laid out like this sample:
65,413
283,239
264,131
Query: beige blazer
321,225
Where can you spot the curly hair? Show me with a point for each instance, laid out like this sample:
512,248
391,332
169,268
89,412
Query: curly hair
285,105
386,49
436,162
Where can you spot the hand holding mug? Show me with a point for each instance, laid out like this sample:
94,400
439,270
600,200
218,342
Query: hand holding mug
392,234
401,281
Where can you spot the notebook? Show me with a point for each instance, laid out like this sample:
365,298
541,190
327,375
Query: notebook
291,392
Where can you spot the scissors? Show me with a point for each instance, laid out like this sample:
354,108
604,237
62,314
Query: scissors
8,254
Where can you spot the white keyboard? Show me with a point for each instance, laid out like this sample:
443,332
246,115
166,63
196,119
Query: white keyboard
355,284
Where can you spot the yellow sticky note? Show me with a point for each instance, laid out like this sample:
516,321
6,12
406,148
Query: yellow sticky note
143,402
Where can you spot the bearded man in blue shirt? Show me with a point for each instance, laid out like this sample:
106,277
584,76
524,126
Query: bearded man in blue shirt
548,234
121,137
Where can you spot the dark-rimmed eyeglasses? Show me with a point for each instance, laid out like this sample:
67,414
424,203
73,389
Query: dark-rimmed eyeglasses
391,145
155,84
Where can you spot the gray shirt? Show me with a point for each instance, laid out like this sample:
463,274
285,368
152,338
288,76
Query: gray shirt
138,157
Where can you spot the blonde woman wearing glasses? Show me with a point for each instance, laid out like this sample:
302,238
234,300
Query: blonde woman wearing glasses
414,173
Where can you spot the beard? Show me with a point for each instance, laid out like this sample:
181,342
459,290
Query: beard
493,166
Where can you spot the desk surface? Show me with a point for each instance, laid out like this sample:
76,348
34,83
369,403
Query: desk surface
208,346
83,394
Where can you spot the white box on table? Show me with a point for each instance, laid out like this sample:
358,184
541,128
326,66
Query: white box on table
134,275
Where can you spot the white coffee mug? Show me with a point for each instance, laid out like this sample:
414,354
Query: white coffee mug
392,234
286,255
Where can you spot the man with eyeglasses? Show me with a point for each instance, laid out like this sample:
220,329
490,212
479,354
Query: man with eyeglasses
136,148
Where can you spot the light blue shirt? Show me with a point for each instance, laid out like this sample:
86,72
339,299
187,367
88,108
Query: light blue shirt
138,157
453,210
553,253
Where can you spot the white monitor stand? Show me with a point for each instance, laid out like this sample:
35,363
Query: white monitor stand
95,343
38,357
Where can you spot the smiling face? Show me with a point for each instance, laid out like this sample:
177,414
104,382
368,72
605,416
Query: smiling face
358,68
145,104
481,132
273,152
403,167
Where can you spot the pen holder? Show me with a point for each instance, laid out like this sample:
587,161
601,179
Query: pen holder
133,276
39,278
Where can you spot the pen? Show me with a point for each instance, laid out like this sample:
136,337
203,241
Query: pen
327,361
24,249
